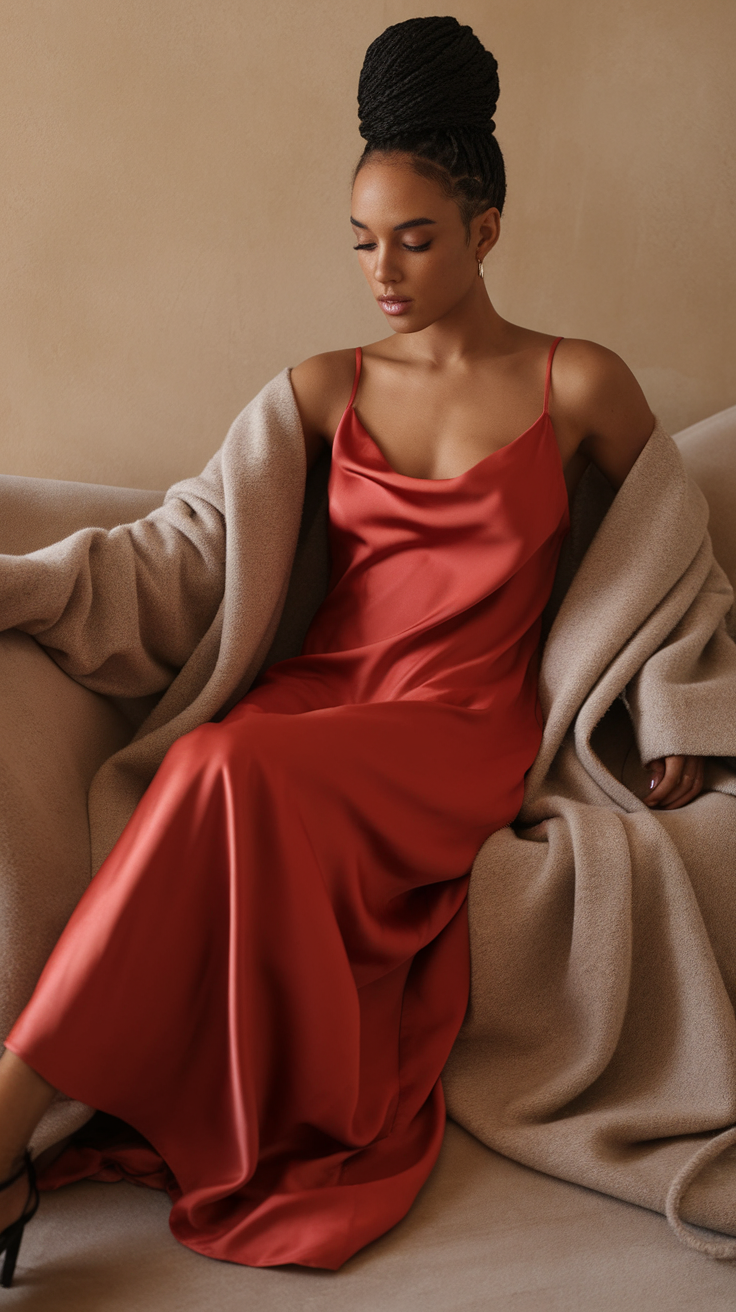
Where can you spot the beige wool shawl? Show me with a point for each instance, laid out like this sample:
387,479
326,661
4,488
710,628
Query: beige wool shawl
174,614
600,1042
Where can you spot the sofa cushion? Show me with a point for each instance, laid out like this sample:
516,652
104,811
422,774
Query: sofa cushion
55,735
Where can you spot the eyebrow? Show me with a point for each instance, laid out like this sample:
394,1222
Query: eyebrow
400,227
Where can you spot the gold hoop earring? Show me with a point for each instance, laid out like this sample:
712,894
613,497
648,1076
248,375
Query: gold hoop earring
481,270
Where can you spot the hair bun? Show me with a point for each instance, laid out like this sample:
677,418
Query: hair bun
426,75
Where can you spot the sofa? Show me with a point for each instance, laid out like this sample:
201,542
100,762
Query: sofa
57,733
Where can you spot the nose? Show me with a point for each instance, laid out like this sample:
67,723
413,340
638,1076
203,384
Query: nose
386,270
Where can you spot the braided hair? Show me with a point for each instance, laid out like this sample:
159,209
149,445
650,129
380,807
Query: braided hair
428,88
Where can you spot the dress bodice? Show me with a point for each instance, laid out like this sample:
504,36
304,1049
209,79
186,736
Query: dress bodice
438,585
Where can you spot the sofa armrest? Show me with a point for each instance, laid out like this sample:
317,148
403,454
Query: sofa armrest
54,735
34,512
709,452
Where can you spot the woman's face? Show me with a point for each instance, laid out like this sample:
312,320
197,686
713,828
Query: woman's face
413,246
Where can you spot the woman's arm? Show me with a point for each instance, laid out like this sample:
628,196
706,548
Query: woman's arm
322,387
121,610
600,414
598,409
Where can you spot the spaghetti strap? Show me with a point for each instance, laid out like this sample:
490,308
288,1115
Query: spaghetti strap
548,377
356,380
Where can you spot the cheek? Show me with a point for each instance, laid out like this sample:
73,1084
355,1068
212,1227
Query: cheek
367,266
445,272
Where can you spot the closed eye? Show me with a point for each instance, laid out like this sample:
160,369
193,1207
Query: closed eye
371,246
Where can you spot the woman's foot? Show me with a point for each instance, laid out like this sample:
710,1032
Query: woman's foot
24,1097
11,1236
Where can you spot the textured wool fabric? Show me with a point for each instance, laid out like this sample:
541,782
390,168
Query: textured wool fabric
160,609
599,1044
709,451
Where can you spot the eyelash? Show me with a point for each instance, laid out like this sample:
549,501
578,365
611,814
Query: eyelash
371,246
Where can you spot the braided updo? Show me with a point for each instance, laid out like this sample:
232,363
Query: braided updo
428,88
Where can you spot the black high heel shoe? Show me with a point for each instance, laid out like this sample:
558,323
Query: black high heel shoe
11,1236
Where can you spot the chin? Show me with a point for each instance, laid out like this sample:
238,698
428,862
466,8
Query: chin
403,325
412,323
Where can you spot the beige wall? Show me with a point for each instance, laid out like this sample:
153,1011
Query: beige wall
175,191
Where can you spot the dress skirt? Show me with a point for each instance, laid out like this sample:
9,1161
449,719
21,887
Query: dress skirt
267,974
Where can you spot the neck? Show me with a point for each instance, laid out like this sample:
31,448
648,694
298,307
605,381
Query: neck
472,328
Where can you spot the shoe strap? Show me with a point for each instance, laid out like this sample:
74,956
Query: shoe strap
26,1168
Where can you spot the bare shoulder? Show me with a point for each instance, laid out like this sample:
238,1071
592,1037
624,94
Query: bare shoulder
598,408
588,376
322,386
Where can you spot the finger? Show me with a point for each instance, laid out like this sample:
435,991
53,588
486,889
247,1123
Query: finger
670,779
683,788
695,770
696,783
691,783
655,771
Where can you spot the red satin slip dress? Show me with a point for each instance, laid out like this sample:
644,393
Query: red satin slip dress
267,974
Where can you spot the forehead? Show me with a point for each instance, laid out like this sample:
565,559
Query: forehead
388,192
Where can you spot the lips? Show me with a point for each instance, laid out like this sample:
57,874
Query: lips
394,304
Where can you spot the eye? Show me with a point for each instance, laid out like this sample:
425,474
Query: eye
371,246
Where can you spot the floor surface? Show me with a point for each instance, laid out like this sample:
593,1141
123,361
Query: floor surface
484,1233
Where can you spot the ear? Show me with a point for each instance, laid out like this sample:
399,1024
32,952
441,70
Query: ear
485,232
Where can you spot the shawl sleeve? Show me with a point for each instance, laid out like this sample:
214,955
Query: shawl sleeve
122,610
682,699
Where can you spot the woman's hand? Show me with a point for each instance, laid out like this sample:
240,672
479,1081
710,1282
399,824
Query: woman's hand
674,781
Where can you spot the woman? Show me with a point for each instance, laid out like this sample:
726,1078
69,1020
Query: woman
268,973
